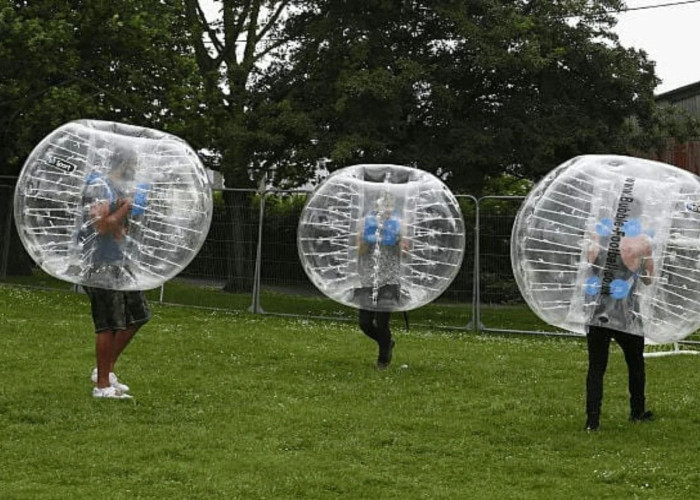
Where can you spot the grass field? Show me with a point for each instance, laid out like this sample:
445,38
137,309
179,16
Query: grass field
284,301
235,405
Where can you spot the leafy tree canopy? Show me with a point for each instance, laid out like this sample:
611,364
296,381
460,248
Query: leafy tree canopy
125,60
250,134
466,89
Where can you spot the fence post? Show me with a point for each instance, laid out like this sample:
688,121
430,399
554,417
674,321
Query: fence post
255,305
476,294
5,255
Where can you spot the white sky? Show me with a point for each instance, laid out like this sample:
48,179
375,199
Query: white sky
669,35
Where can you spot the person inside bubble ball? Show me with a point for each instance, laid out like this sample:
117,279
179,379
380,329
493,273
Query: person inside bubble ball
380,244
617,305
117,315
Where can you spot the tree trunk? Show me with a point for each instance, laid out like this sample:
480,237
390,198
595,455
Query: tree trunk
241,241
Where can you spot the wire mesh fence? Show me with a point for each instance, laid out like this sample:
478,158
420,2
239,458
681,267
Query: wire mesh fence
455,308
16,266
5,227
249,261
281,273
222,274
500,305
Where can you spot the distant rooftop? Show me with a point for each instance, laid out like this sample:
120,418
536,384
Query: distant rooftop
680,93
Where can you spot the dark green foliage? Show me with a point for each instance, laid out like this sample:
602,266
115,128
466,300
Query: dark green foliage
125,60
464,89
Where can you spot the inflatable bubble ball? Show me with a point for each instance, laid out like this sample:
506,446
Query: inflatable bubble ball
612,241
111,205
381,237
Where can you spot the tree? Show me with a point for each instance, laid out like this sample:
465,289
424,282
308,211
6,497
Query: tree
126,60
246,132
465,89
32,48
233,48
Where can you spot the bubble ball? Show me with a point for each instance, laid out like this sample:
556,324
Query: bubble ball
110,205
381,237
612,241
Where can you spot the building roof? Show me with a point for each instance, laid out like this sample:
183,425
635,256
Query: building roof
680,93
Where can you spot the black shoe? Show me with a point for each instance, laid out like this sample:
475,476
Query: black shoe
646,416
385,355
592,423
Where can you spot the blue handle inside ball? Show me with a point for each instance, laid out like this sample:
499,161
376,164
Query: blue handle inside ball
140,202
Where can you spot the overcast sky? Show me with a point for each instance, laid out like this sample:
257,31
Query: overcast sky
669,35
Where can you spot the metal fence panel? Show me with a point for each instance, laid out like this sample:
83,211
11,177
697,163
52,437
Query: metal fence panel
501,306
6,199
249,261
16,266
222,274
455,307
282,276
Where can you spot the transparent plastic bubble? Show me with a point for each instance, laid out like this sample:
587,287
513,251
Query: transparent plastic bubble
73,189
612,241
381,237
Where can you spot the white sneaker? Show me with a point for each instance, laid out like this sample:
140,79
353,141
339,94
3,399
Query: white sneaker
109,393
113,381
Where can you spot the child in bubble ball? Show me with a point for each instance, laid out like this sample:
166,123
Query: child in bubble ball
631,264
380,244
117,315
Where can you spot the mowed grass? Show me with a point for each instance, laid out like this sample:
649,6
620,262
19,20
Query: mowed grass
235,405
282,300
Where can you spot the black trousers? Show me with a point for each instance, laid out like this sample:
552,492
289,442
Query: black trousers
375,324
598,352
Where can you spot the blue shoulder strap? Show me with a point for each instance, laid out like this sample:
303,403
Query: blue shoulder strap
370,231
97,179
390,229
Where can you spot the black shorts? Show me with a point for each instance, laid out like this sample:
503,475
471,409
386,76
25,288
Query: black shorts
114,310
388,297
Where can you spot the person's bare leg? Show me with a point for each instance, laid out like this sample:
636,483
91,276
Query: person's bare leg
121,340
104,348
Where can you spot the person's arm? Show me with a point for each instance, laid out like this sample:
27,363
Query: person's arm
647,270
593,247
110,223
404,242
360,240
636,254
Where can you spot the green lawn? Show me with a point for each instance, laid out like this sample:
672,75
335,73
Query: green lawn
292,300
235,405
